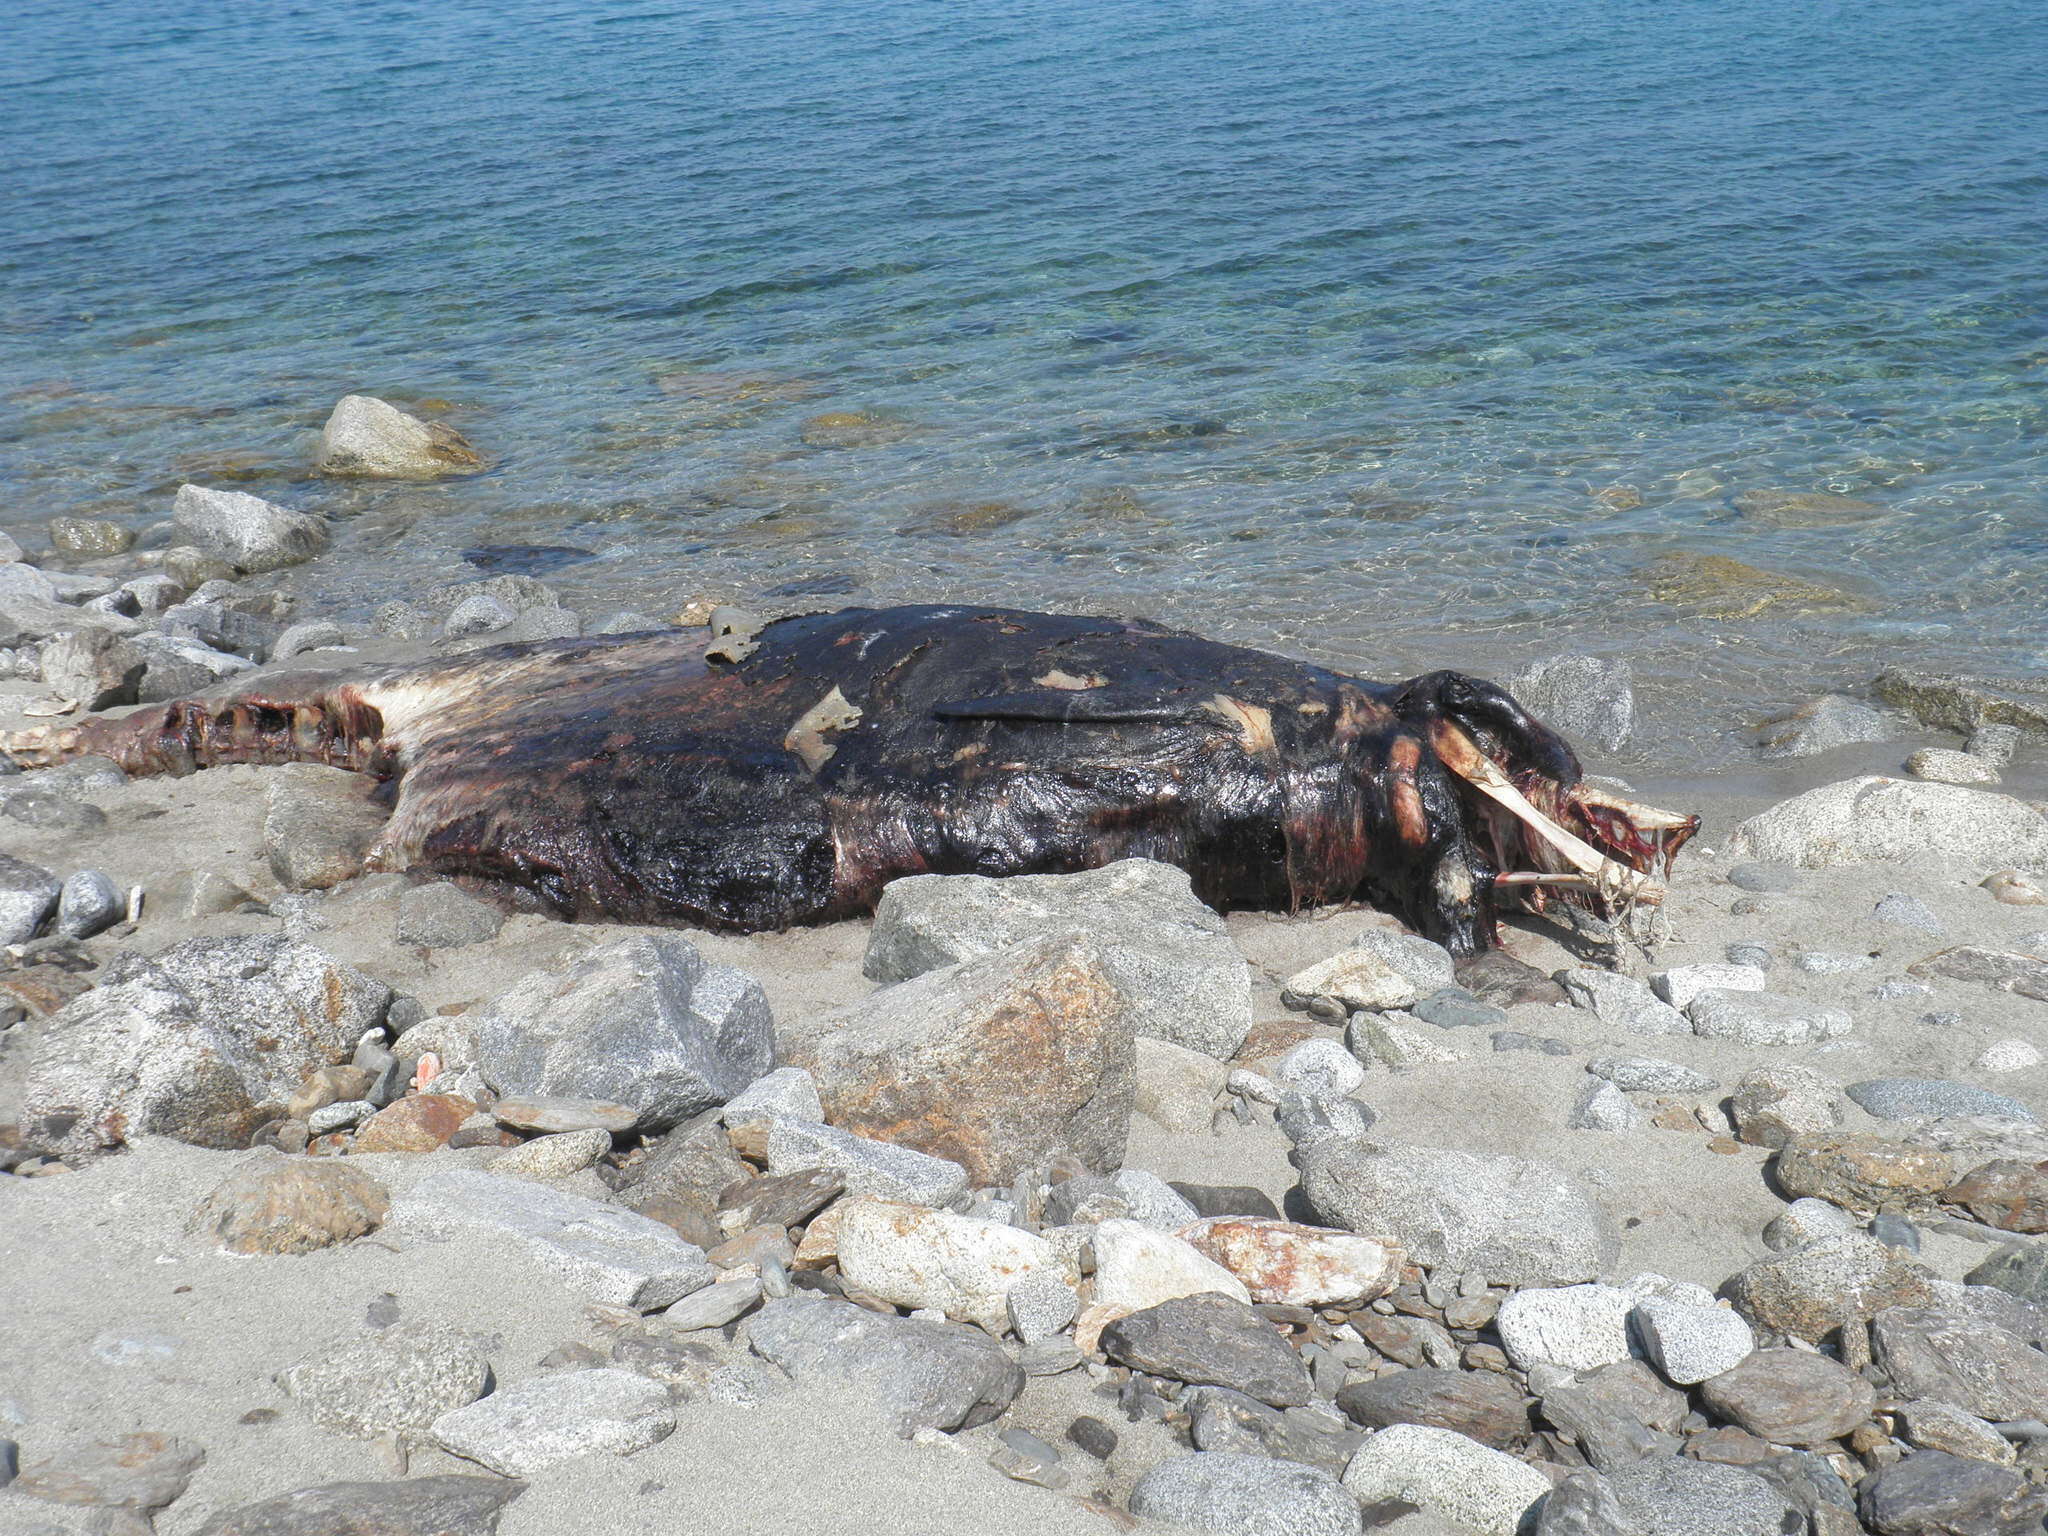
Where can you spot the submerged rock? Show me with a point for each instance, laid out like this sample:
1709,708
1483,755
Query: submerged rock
248,532
368,436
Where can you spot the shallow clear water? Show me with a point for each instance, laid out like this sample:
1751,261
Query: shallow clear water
1400,336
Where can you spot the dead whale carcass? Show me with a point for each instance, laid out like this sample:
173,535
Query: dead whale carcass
664,777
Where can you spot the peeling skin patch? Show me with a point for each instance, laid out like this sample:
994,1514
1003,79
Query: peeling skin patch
807,737
1252,722
1069,683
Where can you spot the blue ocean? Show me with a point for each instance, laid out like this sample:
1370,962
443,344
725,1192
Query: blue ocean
1396,336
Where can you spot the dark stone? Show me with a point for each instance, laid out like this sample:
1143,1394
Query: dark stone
420,1506
1979,1368
1607,1432
1497,977
1224,1420
1932,1493
1631,1387
1672,1496
1093,1436
1481,1405
1226,1199
1211,1339
1791,1397
1406,1340
2018,1269
782,1199
1584,1505
1455,1008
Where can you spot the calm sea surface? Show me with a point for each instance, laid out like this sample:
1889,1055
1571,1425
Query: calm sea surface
1402,336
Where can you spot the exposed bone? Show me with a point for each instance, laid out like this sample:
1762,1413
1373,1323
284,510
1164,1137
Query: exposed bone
1464,758
1646,817
806,738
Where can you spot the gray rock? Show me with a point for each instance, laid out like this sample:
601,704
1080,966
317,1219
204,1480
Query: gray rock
1813,1290
247,531
478,615
611,1255
1483,1405
1130,1194
397,1379
1028,1459
787,1091
308,635
1174,1087
318,825
339,1116
1455,1008
96,669
1682,983
27,620
1807,1220
1578,1327
556,1116
142,1472
1649,1074
1584,1505
1689,1343
1994,743
1938,1426
2017,1269
1041,1305
1380,970
176,669
1600,1106
1322,1069
1932,1493
1965,1361
1826,962
1830,721
371,437
1791,1397
997,1063
1942,765
89,903
1607,1433
1764,1018
28,895
1756,956
1622,1002
1448,1475
553,1157
1304,1118
1210,1339
642,1021
443,916
715,1305
1775,878
1517,1222
1672,1496
1871,820
1925,1098
193,1043
1772,1104
415,1506
868,1167
1589,700
1905,911
1159,945
1223,1420
1516,1040
1237,1494
922,1375
523,1429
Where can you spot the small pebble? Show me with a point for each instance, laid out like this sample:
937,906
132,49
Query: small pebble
1093,1437
1756,956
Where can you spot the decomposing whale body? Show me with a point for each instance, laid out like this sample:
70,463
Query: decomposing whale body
758,783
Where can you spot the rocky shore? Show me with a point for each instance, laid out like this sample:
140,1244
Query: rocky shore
348,1203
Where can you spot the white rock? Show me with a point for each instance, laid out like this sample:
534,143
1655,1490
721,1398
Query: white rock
247,531
1682,983
1448,1475
2009,1055
1380,970
1942,765
520,1430
368,436
1137,1267
1622,1002
1578,1327
1260,1089
1320,1067
1041,1305
1282,1261
917,1257
1807,1220
1601,1106
715,1305
1764,1018
868,1167
607,1253
1176,1088
790,1091
1874,819
1687,1342
1398,1042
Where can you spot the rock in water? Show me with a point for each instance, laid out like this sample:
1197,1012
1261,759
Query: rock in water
1159,945
922,1375
414,1506
1967,703
995,1064
368,436
1874,820
641,1021
193,1043
1588,699
273,1204
1519,1223
247,531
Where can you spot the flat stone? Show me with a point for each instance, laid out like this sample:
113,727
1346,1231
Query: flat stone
1455,1008
682,1179
867,1167
142,1471
1952,703
95,669
2007,1194
1138,1267
523,1429
1576,1327
1226,1200
1649,1074
1813,1290
1128,1193
1873,819
782,1199
396,1379
916,1257
442,916
1975,1365
1246,1495
790,1091
248,532
995,1064
1157,944
643,1021
1622,1002
1860,1172
373,438
1295,1265
1211,1339
1927,1098
1689,1343
715,1305
1682,983
611,1255
553,1157
1672,1496
1519,1223
1939,1426
1395,1041
1381,970
279,1205
1447,1475
1174,1087
1764,1018
1931,1493
1791,1397
553,1114
1772,1104
1482,1405
418,1123
922,1375
1901,910
2022,973
414,1506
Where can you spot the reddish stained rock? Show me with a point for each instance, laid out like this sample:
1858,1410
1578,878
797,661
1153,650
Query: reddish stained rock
1861,1173
2007,1194
278,1204
416,1124
143,1471
1282,1261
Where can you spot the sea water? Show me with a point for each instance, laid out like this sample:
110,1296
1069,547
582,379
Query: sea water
1399,336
